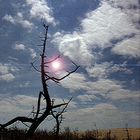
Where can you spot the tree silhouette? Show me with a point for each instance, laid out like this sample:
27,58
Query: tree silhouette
49,109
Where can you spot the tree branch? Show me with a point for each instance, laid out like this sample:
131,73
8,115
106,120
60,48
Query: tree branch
32,63
59,115
22,119
52,60
59,79
38,104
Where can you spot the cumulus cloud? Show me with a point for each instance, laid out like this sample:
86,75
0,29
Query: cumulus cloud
122,4
19,47
3,69
9,18
98,70
98,29
22,47
19,105
104,86
18,19
103,70
7,77
104,24
74,82
32,52
6,72
112,89
41,10
104,115
74,46
5,104
100,88
129,7
22,105
24,101
78,81
124,94
128,47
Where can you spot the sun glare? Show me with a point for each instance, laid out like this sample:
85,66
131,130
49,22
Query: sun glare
56,65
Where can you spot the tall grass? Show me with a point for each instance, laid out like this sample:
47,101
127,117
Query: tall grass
67,134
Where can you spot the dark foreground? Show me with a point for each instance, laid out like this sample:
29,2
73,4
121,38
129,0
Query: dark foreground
113,134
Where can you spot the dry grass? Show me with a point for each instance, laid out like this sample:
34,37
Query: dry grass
113,134
121,134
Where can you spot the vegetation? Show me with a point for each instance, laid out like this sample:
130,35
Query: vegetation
67,134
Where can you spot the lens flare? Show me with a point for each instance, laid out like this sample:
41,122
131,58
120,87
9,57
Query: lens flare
56,65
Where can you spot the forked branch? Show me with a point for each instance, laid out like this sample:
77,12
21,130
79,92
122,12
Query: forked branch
59,116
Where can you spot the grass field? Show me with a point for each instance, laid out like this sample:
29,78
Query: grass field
112,134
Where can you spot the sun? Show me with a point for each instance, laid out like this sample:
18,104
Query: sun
56,65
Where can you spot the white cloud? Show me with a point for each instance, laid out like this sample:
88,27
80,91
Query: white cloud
22,105
86,98
104,115
32,52
129,47
130,7
103,70
124,94
6,106
6,72
25,85
19,47
120,68
7,77
22,47
75,81
3,69
25,102
123,3
113,90
98,70
40,10
104,24
9,18
98,29
105,88
18,19
74,46
19,105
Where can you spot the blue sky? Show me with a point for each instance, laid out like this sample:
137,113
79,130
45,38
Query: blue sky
102,36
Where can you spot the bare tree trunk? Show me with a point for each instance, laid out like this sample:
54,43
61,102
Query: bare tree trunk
38,119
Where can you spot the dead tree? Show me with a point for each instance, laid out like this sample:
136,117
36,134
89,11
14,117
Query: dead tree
58,115
40,116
